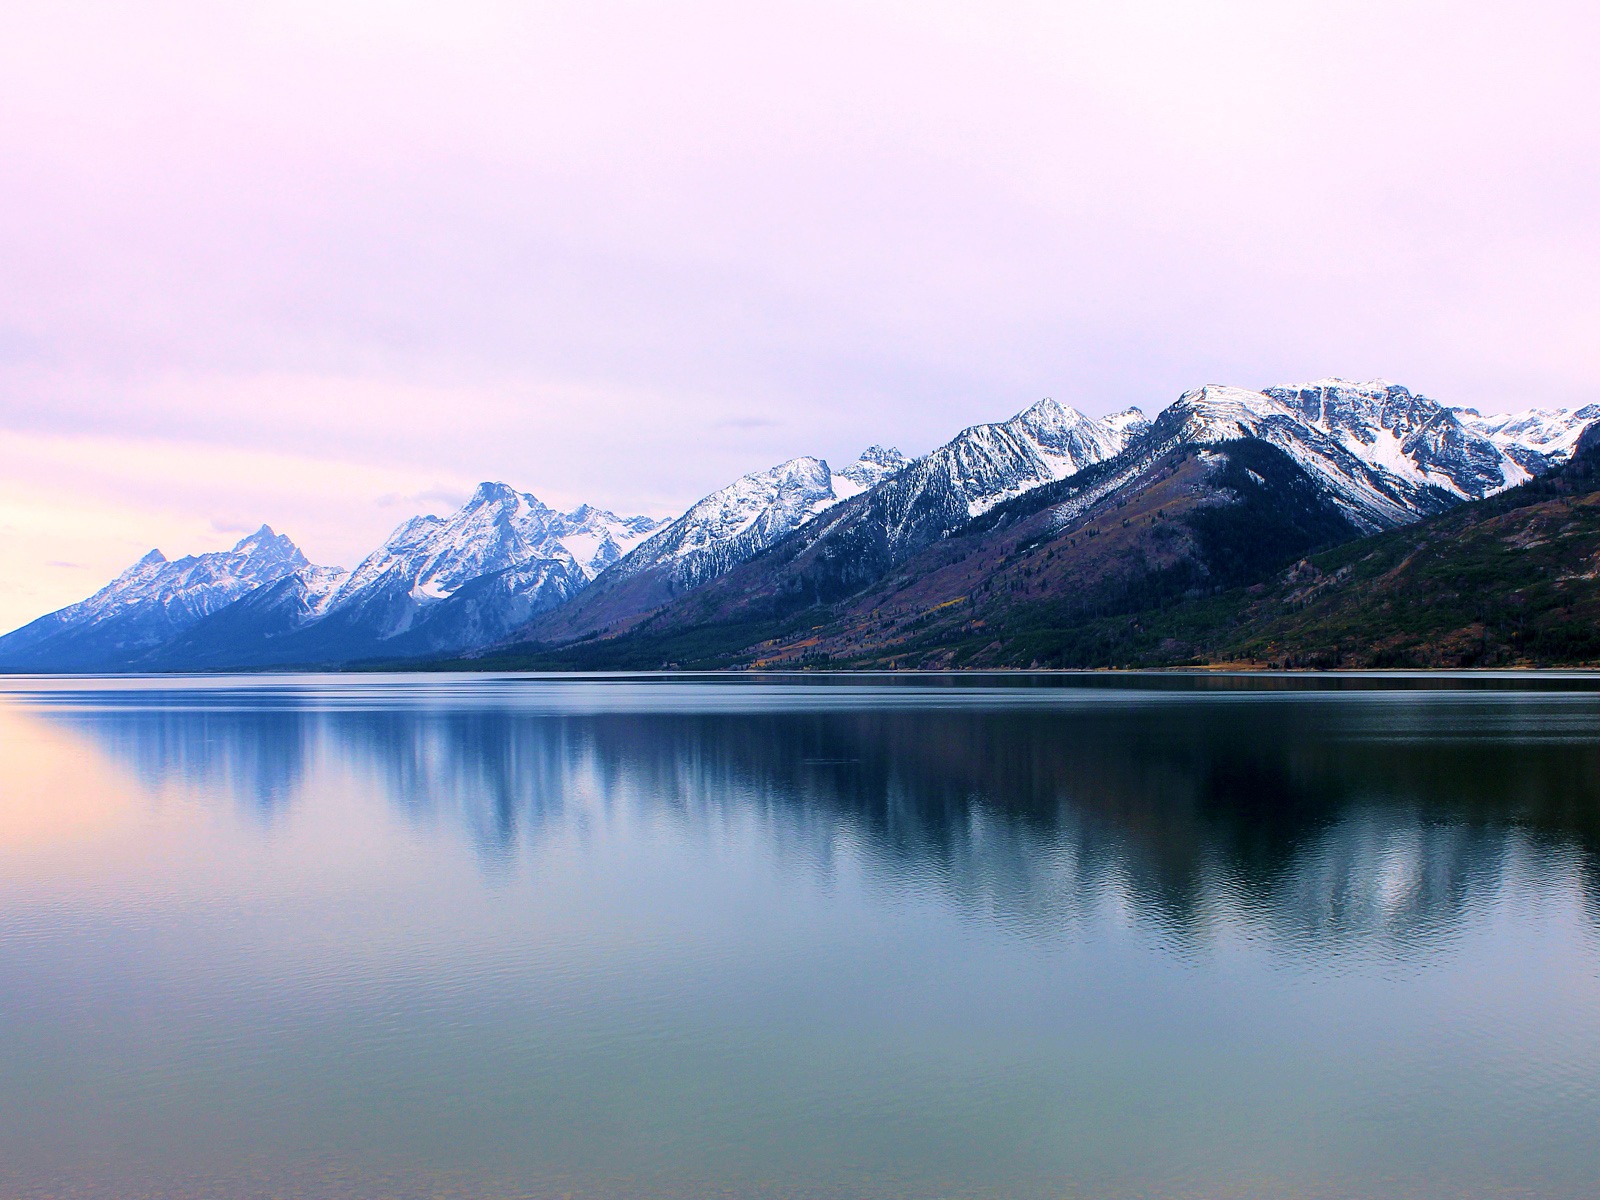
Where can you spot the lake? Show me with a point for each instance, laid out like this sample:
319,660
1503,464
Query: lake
899,936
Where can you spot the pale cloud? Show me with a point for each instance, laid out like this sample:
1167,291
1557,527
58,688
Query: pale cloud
366,254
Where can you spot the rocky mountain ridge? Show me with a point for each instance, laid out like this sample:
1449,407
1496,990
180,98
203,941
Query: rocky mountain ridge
728,527
907,506
1536,438
1352,459
148,604
1380,456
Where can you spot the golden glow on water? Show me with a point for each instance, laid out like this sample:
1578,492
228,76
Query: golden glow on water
59,790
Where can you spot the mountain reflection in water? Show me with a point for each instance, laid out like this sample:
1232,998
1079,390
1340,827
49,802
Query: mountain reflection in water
1318,817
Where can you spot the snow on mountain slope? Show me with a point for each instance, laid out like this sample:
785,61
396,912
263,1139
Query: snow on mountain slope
316,586
982,466
1382,456
442,584
737,522
1385,456
148,604
875,465
1370,498
428,558
1127,424
437,584
595,538
750,511
985,465
192,586
1407,435
1374,456
486,608
730,526
1536,438
1067,441
251,631
291,622
804,507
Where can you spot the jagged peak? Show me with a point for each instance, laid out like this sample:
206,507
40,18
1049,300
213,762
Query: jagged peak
874,464
883,456
406,535
153,561
494,492
1553,412
1345,408
418,522
1050,412
264,545
265,539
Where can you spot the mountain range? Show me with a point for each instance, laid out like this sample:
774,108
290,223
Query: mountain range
1014,543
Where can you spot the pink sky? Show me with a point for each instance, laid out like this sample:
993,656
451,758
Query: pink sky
328,264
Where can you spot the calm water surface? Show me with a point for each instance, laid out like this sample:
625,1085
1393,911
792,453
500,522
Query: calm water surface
481,937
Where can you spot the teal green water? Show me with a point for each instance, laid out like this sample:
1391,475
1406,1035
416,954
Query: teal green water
981,937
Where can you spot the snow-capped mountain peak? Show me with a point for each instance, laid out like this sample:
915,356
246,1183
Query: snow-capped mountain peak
596,538
984,465
751,509
266,546
1049,414
200,581
150,602
1335,383
1218,412
1535,438
440,584
736,522
1384,454
437,584
1127,424
872,467
428,558
1403,433
496,492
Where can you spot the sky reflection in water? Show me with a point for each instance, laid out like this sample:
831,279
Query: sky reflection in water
427,936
